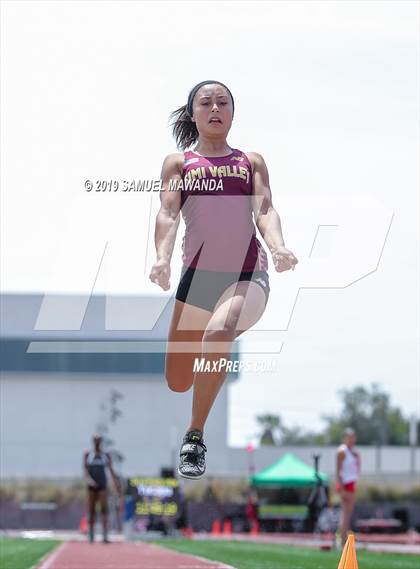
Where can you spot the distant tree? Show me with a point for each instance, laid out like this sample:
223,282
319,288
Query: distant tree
270,429
273,432
298,436
368,410
110,413
370,413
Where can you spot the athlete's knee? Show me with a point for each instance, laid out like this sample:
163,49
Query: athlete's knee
224,331
178,387
175,381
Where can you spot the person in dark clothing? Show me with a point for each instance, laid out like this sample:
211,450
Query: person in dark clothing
95,463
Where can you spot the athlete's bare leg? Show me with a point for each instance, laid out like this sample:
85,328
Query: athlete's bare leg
347,506
91,499
239,308
103,499
185,333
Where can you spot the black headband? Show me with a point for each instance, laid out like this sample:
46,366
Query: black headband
194,90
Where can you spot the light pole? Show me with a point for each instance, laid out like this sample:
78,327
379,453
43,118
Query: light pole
413,442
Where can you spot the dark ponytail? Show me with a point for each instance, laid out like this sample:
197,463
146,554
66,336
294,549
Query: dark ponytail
184,129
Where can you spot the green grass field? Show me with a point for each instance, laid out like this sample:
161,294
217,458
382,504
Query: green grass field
243,555
23,553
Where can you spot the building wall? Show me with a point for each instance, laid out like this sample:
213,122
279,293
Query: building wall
387,464
47,421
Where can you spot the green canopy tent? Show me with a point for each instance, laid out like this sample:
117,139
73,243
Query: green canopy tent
288,471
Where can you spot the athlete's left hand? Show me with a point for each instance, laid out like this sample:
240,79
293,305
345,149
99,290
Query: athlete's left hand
161,273
284,259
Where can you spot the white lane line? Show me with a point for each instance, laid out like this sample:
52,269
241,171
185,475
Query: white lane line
47,563
210,563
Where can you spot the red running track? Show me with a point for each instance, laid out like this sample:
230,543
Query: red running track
83,555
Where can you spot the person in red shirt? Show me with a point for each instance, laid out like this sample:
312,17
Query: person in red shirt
347,474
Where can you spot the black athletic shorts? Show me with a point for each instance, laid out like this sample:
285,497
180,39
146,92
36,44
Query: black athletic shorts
98,488
204,288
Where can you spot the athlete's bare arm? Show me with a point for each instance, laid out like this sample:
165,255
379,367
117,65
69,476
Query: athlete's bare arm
86,474
339,461
114,476
167,219
266,217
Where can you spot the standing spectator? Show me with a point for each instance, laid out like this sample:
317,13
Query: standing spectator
95,463
347,474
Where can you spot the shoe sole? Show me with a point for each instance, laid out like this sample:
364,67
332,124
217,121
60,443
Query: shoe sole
191,477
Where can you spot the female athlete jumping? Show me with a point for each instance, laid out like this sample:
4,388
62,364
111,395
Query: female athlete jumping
224,285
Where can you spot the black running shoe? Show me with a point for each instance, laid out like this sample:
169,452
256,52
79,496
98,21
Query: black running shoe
192,462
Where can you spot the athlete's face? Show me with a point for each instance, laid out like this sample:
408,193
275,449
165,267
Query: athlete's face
212,111
350,440
97,441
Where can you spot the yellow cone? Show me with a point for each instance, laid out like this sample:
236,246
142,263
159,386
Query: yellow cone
348,557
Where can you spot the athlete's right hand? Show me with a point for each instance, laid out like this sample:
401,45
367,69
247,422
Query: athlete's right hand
91,482
160,274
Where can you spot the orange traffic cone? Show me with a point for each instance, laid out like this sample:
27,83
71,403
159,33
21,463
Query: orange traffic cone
255,527
227,527
348,557
215,527
83,526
